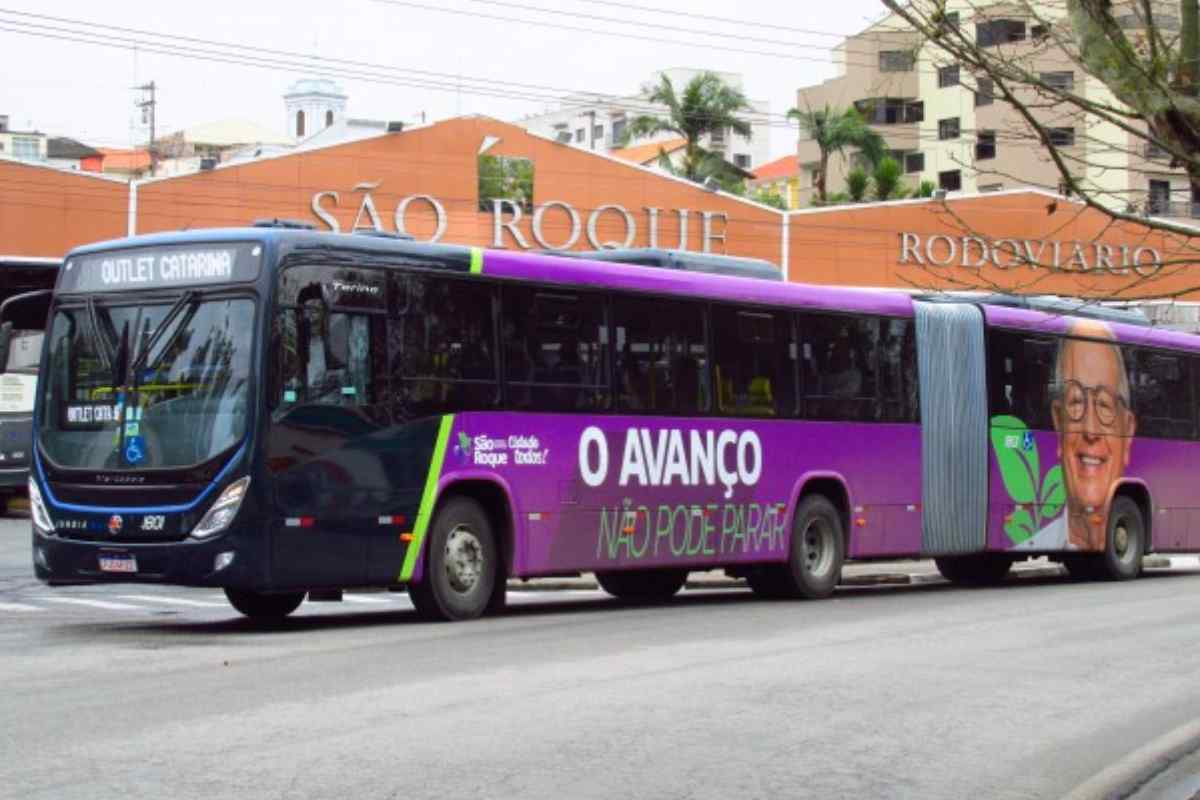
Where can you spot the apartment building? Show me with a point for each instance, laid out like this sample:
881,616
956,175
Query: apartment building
945,125
21,145
598,122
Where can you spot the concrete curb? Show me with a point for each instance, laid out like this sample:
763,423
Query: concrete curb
1141,766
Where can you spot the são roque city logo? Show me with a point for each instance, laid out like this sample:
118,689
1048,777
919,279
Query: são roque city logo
489,451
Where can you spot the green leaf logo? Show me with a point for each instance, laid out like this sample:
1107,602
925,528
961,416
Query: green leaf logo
1020,468
464,442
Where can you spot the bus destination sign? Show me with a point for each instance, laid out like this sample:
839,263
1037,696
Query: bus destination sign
162,267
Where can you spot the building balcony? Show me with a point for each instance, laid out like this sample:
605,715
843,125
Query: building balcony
1158,207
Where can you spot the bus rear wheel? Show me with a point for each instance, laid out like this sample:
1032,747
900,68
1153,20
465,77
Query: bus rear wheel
462,565
264,607
1124,546
644,585
978,569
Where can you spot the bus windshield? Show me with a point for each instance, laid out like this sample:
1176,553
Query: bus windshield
145,385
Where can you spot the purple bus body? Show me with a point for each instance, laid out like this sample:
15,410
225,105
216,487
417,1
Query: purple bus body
564,523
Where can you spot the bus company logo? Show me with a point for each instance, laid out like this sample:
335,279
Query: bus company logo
463,448
115,523
667,456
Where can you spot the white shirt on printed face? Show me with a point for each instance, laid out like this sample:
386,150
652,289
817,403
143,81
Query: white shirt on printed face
1052,537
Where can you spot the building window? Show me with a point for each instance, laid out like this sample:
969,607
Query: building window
985,145
948,128
1062,81
1039,33
1160,197
1155,152
999,31
597,132
896,61
618,131
579,134
951,180
741,160
1062,137
328,118
26,148
948,76
914,162
883,110
717,137
914,111
299,124
951,19
985,92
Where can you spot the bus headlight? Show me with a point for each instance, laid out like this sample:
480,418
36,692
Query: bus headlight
37,509
223,511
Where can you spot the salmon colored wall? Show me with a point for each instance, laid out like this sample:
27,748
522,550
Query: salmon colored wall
45,212
440,161
862,246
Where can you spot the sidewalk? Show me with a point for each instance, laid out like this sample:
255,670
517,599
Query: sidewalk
872,573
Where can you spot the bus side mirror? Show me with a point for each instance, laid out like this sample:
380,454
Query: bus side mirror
5,344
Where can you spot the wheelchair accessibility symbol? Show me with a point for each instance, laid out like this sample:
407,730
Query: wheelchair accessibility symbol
135,450
1027,443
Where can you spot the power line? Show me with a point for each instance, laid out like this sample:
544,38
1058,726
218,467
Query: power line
711,18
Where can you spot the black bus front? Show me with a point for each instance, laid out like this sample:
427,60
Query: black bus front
145,416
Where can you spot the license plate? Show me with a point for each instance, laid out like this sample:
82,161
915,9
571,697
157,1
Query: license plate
118,563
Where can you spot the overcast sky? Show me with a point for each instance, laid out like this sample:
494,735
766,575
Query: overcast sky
83,90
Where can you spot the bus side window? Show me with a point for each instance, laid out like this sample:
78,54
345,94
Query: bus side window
753,362
442,351
555,349
661,355
841,367
898,372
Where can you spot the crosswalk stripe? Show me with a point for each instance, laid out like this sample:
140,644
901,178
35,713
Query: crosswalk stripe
19,607
172,601
105,604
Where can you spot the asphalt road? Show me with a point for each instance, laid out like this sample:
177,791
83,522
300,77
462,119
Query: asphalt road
1022,691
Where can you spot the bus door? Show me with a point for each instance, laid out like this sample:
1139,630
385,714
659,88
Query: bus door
954,427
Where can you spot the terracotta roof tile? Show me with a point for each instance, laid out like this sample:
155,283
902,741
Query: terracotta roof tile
647,153
784,167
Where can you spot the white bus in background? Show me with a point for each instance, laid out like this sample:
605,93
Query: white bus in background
25,285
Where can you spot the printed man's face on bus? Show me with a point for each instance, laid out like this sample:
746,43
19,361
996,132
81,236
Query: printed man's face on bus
1095,426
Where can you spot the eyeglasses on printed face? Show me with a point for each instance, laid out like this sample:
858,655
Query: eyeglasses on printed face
1105,401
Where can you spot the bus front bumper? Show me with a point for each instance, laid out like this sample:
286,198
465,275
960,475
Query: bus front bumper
224,561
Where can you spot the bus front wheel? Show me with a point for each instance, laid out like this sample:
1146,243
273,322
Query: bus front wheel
462,564
643,585
815,559
264,607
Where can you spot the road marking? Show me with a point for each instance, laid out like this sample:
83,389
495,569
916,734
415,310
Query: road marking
19,607
172,601
106,605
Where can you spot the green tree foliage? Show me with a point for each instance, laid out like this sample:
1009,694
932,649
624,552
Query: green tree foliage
769,196
705,105
856,184
886,176
835,132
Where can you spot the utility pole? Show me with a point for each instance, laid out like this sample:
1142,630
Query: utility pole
147,104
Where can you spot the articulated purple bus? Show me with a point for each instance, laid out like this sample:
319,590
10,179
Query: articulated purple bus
284,413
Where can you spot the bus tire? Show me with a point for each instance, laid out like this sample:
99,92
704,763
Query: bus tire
264,607
1125,542
977,569
818,548
645,586
462,564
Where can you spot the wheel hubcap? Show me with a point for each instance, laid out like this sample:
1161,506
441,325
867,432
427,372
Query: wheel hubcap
1121,539
464,559
818,548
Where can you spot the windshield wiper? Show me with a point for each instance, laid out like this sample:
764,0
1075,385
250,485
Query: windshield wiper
189,298
102,343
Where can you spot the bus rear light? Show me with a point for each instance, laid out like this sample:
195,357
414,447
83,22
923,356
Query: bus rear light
222,513
395,519
300,522
37,509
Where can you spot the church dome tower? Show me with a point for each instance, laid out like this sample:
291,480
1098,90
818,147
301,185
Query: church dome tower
312,105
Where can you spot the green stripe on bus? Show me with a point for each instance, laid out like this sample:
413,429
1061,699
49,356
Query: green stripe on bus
476,260
427,498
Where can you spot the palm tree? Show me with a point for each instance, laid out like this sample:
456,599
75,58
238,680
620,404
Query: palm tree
707,104
834,131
